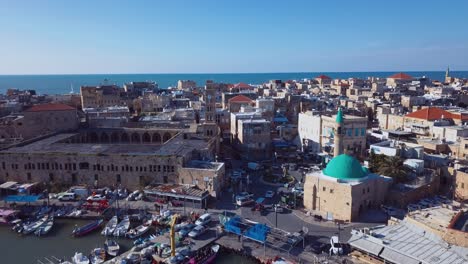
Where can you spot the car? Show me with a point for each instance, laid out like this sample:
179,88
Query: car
245,194
298,189
242,201
336,247
269,194
186,230
184,225
203,219
96,197
66,197
197,231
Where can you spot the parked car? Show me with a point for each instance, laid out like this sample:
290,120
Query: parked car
96,197
243,201
269,194
298,189
203,219
67,197
245,194
183,225
197,231
336,247
186,230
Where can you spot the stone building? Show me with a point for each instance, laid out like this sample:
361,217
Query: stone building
344,189
399,79
186,84
100,96
254,139
132,158
461,184
235,103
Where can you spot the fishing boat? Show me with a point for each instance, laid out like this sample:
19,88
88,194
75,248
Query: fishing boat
31,227
110,226
81,231
112,247
122,228
138,231
80,258
205,257
45,229
98,255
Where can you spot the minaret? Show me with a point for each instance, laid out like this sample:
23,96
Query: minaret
447,72
339,133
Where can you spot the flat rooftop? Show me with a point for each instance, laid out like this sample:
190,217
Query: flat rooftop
53,145
437,218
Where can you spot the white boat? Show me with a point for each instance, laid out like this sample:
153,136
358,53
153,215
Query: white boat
44,229
122,228
79,258
138,231
110,227
98,255
29,228
112,247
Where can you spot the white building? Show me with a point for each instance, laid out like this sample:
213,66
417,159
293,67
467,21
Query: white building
309,127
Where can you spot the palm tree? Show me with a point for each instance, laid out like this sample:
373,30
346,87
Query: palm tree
393,167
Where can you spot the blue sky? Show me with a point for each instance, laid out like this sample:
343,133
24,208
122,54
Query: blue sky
209,36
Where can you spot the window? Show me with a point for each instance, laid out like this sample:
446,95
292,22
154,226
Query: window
159,168
96,177
363,131
84,166
164,168
463,185
29,176
331,190
118,178
172,168
356,132
74,166
324,189
51,177
349,132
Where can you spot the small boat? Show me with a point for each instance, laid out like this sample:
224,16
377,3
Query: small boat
110,226
29,228
203,258
45,229
98,255
81,231
112,247
138,231
122,228
133,257
79,258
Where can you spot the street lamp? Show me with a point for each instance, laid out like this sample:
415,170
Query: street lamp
276,215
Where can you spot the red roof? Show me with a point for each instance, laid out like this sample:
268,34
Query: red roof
323,77
401,76
242,85
240,99
49,107
431,113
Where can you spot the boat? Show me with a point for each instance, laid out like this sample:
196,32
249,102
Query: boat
7,216
122,228
204,258
31,227
110,226
79,258
112,247
98,255
138,231
81,231
133,257
45,229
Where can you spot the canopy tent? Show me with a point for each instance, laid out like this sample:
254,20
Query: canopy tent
21,198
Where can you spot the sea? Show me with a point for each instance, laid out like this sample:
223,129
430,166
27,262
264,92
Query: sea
63,84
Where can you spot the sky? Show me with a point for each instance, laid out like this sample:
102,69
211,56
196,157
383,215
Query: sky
231,36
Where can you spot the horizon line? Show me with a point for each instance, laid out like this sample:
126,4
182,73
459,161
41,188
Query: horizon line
219,73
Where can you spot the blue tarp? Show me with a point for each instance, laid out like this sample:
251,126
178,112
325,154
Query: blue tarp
21,198
233,226
258,232
260,200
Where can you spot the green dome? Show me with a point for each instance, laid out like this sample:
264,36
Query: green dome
345,167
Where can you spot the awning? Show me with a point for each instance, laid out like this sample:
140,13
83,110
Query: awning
397,257
7,185
363,244
21,198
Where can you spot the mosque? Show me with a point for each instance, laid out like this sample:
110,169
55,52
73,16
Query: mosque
344,189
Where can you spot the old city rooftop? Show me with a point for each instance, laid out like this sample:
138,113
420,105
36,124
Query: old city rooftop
49,107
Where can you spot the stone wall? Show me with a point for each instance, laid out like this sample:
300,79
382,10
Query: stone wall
215,177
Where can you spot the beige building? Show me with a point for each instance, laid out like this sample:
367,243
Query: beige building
461,184
132,158
100,96
254,138
344,189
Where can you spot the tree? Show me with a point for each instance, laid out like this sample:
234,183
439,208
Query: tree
393,167
375,161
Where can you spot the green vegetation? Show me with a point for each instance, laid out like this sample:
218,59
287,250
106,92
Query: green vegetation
388,166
